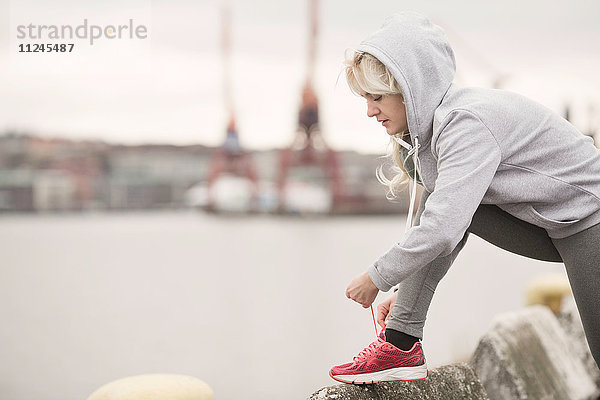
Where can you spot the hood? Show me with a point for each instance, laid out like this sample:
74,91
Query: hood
419,56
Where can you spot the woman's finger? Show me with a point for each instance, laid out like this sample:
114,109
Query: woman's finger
382,315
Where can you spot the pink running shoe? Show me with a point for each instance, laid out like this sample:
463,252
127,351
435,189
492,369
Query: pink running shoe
383,362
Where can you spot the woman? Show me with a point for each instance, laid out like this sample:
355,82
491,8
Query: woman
492,163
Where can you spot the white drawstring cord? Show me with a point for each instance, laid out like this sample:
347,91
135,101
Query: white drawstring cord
413,192
414,151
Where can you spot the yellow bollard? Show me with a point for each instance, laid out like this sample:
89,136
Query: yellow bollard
548,290
154,387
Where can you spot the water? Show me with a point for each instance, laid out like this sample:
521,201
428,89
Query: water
254,306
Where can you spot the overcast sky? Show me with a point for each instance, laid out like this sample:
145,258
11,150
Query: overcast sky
168,88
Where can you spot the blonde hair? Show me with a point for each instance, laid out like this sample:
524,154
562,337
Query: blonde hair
366,74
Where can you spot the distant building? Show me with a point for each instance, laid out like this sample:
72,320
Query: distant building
16,190
47,175
154,176
53,190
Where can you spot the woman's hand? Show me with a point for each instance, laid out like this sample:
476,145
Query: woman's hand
384,309
362,290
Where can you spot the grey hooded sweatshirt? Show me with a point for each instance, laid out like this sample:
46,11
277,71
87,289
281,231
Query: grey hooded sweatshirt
478,146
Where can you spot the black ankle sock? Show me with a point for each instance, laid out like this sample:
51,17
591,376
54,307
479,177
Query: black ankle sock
400,339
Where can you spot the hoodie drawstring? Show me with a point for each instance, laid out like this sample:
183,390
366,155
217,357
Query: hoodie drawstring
414,152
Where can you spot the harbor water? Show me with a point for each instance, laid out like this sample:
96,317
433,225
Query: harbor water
254,306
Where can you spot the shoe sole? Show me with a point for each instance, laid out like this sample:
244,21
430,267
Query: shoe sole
387,375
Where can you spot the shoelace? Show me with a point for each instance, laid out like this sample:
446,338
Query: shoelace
374,323
367,351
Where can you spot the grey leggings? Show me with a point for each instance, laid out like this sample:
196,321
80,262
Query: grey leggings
580,254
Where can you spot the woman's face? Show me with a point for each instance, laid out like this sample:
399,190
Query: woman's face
389,110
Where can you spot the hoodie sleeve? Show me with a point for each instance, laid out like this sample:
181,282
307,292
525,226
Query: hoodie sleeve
468,157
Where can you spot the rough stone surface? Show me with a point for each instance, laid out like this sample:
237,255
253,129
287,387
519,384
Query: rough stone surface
154,387
570,321
457,381
526,355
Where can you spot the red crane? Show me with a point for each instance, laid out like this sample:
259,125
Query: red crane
230,159
309,148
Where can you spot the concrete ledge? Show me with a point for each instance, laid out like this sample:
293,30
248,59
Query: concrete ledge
456,381
527,355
